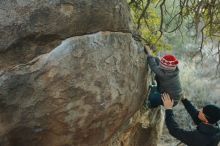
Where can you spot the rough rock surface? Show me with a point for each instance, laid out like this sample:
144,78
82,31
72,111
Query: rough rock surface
47,20
31,28
80,93
144,128
83,92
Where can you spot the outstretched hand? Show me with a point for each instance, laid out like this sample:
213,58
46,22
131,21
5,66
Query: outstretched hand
167,101
153,48
147,50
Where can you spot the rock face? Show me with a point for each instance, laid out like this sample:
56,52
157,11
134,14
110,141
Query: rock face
82,92
31,28
142,129
46,20
78,94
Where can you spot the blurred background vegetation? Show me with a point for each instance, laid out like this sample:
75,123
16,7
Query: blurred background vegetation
190,29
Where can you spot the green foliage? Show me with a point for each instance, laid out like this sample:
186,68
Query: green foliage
149,25
172,24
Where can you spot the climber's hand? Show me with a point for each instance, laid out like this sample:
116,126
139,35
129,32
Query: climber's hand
147,50
167,101
153,48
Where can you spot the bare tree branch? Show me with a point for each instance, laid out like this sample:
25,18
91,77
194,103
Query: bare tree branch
143,14
218,58
131,2
195,12
161,20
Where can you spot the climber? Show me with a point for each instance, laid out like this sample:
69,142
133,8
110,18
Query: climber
207,132
167,78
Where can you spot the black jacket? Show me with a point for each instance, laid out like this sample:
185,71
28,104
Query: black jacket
201,136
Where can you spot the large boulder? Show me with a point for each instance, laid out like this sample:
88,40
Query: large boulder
85,91
31,28
79,94
42,21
